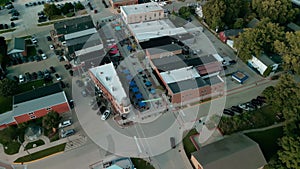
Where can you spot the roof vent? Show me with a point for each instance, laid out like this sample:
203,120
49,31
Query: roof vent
114,89
147,6
135,8
107,78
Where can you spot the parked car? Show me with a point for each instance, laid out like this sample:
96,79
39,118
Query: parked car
237,109
21,79
62,84
71,72
12,11
52,69
228,112
28,76
172,142
49,38
102,109
46,73
51,47
68,66
232,62
65,124
34,75
37,58
71,103
44,57
16,13
67,133
58,78
105,115
13,18
40,51
33,40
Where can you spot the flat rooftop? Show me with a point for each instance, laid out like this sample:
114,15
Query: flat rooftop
74,25
80,33
141,8
169,63
180,74
109,78
152,29
164,48
188,84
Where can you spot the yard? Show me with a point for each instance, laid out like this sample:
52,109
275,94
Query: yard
2,2
36,143
141,164
41,154
29,85
267,140
259,118
187,143
6,104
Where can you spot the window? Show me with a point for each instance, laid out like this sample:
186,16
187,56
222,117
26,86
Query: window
48,108
31,113
140,17
32,117
154,14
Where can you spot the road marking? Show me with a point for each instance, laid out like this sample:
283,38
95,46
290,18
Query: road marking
183,114
137,143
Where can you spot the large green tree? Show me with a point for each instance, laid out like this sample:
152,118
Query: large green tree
184,12
289,154
290,51
255,41
213,12
67,8
51,10
279,11
51,121
8,87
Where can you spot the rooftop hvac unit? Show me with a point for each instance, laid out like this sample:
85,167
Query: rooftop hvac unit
107,78
113,88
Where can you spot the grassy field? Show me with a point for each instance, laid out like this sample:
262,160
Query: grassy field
141,164
28,86
267,140
41,154
37,143
6,104
187,143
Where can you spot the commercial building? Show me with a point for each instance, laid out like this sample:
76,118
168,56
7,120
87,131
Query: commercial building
142,12
17,48
107,80
235,151
35,104
119,3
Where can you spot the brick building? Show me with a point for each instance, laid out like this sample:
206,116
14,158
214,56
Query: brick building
119,3
35,104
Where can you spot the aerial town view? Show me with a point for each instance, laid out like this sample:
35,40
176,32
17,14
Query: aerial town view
149,84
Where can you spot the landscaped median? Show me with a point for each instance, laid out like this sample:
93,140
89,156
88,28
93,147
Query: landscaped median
41,154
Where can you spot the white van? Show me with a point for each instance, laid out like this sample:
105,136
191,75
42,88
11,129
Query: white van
21,79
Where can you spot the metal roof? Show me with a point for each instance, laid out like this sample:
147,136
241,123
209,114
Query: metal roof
80,33
180,74
235,151
74,25
39,103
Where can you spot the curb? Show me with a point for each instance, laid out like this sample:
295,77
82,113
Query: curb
39,158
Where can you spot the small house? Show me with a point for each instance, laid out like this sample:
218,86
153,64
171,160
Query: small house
263,65
229,34
17,48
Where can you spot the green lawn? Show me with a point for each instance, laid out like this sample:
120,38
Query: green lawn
141,164
7,30
12,147
267,140
187,143
41,154
2,2
37,143
28,86
6,104
31,51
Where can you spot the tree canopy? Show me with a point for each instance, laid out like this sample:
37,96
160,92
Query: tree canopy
254,41
214,11
279,11
8,87
184,12
290,51
51,121
67,7
51,10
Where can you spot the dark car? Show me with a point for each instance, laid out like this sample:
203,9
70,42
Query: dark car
40,51
40,74
52,69
228,112
71,72
12,11
71,103
173,143
232,62
68,66
16,13
34,3
28,76
62,84
49,38
37,58
237,109
14,18
261,98
34,75
102,109
189,19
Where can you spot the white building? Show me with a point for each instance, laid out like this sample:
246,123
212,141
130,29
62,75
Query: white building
142,12
106,79
262,63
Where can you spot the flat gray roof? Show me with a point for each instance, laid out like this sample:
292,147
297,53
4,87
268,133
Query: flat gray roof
188,84
141,8
235,151
164,48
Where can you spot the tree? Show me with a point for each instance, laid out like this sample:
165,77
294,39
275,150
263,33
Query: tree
279,11
184,12
51,121
3,53
51,10
213,12
239,23
289,154
290,51
235,9
79,6
8,87
67,8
